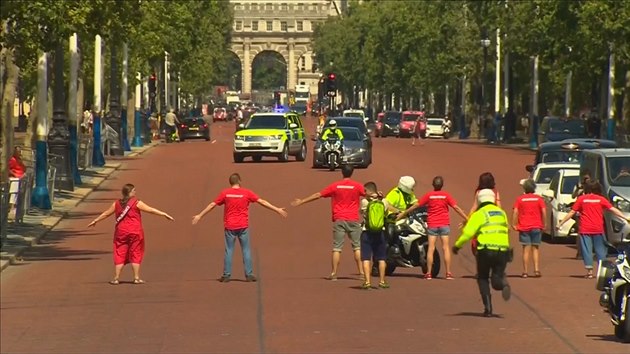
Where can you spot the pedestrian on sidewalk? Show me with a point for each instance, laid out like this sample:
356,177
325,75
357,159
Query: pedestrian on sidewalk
438,221
236,223
128,234
346,196
489,223
591,206
528,218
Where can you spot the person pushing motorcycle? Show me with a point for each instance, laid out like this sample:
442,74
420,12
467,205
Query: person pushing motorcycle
332,129
400,198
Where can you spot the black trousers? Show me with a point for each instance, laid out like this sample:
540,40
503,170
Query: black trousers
491,270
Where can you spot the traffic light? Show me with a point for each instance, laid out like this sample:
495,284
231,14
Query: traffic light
331,85
152,85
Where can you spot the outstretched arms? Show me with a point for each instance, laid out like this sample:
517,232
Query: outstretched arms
272,207
205,211
107,213
147,209
308,199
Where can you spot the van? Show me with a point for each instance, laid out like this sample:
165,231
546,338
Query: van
611,167
569,150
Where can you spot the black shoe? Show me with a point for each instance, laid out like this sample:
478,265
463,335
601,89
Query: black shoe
251,278
487,304
506,293
224,279
487,313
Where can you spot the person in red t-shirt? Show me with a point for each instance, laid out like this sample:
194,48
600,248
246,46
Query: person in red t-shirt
129,234
346,200
438,222
16,166
591,206
528,218
236,223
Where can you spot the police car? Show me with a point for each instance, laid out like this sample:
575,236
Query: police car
277,134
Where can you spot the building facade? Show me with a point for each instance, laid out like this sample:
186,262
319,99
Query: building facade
282,26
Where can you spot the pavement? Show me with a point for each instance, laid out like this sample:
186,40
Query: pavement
57,298
38,223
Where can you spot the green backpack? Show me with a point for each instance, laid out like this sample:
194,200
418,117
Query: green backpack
375,215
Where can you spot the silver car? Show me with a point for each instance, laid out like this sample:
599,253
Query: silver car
356,150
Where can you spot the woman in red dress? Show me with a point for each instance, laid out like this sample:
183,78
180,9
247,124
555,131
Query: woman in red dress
129,235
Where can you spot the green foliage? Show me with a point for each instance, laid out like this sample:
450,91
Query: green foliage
268,71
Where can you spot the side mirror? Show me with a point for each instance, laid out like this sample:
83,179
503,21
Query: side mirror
241,126
548,194
366,119
529,168
293,126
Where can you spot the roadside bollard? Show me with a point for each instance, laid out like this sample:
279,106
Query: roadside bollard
98,159
138,130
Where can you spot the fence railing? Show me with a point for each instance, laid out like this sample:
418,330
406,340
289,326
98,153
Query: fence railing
4,211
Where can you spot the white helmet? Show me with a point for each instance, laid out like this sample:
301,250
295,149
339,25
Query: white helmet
332,123
406,184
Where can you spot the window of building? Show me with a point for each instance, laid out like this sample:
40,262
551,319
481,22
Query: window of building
283,7
300,7
300,26
269,6
239,25
302,83
254,25
269,25
303,63
283,26
255,7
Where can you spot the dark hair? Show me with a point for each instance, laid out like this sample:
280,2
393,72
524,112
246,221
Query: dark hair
235,178
346,171
486,181
438,183
126,190
371,186
529,186
594,187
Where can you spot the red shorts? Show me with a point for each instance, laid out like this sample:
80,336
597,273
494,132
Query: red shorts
128,249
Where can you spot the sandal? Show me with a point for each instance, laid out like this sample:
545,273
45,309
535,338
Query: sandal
138,281
589,275
114,282
383,285
537,274
366,286
524,275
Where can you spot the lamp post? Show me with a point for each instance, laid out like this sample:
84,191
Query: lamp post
485,43
59,135
114,115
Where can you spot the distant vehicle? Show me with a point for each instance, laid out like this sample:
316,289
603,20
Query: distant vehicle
435,126
356,150
544,173
390,126
354,113
220,113
611,167
232,97
558,129
194,128
302,94
559,199
569,150
408,122
299,107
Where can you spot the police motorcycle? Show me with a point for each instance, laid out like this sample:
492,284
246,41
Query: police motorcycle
407,244
613,280
446,129
333,151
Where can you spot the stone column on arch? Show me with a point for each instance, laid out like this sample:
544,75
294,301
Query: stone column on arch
291,66
246,69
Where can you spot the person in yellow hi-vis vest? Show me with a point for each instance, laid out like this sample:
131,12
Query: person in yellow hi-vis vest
490,224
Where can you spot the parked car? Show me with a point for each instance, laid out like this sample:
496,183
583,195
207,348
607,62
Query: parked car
569,150
611,167
408,122
390,125
559,199
356,150
558,129
194,128
544,173
435,126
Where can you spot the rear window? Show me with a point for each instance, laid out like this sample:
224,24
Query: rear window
435,121
410,117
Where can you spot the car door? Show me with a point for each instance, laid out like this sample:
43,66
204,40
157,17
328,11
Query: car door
552,204
294,142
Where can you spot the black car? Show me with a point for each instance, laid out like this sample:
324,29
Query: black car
194,128
569,150
558,129
391,124
353,122
299,108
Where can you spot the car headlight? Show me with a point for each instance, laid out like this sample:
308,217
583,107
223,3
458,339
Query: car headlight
239,137
621,204
275,137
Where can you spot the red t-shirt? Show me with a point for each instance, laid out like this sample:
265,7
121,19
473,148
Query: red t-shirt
345,199
530,216
591,208
236,211
437,206
16,167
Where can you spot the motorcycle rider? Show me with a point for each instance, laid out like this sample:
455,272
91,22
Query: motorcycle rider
332,129
171,120
490,224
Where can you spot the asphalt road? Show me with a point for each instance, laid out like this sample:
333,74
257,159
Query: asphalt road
59,300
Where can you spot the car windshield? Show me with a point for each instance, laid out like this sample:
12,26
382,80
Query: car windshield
353,114
302,94
435,121
619,171
546,174
193,120
561,156
351,135
410,117
354,123
267,122
567,126
392,120
568,184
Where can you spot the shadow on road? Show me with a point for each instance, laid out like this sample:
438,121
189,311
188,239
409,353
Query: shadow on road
604,337
474,314
52,248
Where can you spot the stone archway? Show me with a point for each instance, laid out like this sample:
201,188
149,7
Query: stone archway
233,77
269,71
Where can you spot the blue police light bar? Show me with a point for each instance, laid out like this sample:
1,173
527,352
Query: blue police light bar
280,109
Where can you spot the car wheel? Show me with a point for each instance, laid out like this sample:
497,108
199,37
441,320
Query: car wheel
238,158
302,155
284,156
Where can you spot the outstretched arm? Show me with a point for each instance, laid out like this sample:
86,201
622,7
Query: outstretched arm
272,207
143,207
107,213
618,213
308,199
407,212
460,212
205,211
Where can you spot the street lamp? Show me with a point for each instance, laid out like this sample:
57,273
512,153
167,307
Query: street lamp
114,115
59,135
485,43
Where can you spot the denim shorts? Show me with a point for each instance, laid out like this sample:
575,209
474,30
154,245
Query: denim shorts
531,237
439,231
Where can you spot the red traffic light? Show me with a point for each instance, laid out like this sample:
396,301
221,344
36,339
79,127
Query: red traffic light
331,76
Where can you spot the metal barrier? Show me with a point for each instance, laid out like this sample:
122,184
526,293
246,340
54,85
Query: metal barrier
52,175
4,211
22,203
85,151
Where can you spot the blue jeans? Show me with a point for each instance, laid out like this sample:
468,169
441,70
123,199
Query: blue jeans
587,243
230,240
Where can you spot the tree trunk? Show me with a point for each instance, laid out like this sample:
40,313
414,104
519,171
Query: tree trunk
6,112
131,114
